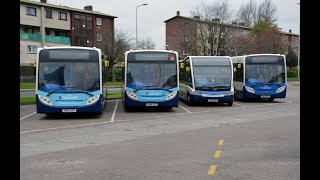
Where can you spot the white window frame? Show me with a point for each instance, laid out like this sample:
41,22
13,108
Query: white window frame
31,49
99,21
99,37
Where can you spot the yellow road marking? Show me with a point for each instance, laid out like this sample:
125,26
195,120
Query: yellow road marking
220,142
217,154
212,169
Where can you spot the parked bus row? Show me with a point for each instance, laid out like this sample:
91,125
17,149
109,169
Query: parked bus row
70,79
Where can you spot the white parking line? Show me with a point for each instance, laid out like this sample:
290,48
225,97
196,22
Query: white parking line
28,115
184,108
37,130
239,104
114,111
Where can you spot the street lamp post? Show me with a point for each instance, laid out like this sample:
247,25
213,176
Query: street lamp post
137,23
299,52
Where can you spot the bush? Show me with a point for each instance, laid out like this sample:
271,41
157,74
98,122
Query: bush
292,72
117,72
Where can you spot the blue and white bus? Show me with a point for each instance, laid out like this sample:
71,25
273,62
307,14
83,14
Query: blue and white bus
260,76
206,79
150,79
69,79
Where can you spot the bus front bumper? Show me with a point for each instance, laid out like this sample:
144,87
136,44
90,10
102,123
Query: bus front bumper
170,103
264,95
44,109
201,99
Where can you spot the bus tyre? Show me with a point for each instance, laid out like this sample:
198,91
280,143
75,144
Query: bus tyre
189,101
230,103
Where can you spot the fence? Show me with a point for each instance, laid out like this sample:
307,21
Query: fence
27,79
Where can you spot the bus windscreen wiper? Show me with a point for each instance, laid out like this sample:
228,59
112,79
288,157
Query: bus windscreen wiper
209,86
53,91
79,91
151,88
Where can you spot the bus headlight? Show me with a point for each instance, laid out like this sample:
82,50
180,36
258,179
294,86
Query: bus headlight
197,93
132,95
171,95
45,100
280,89
229,93
250,89
92,99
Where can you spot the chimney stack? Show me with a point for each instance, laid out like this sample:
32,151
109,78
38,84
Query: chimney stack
43,1
178,13
290,31
196,17
88,8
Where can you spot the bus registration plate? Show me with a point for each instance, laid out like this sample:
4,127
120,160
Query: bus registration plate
266,96
212,100
69,110
151,104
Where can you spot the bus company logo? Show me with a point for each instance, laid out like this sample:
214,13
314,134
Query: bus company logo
59,97
171,58
265,87
147,93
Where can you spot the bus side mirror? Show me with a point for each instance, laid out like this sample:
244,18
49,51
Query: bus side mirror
122,64
181,65
188,69
102,56
239,66
106,64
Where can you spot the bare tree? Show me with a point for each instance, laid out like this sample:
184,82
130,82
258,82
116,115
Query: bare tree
115,45
211,29
251,13
267,12
247,12
146,44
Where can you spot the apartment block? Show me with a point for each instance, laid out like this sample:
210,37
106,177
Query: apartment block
43,24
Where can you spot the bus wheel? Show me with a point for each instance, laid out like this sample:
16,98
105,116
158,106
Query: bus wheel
230,103
126,108
190,103
271,99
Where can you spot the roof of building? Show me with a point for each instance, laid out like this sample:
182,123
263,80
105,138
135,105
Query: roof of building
65,8
238,26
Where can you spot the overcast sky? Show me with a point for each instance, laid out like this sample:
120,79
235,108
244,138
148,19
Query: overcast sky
151,17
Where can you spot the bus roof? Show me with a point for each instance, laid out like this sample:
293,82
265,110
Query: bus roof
150,50
257,55
69,47
208,56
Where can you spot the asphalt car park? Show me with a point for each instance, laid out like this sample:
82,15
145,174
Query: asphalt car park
261,141
114,112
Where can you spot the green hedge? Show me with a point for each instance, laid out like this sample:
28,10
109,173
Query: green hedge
292,72
117,72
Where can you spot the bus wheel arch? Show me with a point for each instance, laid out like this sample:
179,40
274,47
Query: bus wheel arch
230,103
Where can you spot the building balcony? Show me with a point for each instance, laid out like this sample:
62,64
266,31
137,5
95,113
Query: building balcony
48,38
58,39
29,37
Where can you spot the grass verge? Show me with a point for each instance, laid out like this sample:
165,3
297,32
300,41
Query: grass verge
27,85
27,100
